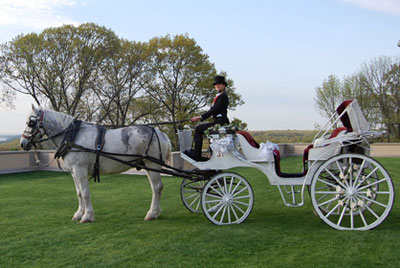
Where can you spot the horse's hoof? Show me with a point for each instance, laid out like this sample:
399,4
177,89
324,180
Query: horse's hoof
151,216
86,220
76,218
147,218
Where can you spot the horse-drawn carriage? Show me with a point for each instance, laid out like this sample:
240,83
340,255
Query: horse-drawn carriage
349,190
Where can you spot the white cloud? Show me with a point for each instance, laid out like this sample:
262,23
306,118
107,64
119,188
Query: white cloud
37,14
386,6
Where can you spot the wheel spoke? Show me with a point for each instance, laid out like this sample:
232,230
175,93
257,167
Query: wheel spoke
241,203
220,187
218,211
242,197
342,214
196,199
372,212
193,195
373,201
326,192
329,201
351,214
367,177
372,184
327,183
336,179
241,190
218,192
359,173
238,208
237,185
223,214
331,211
322,197
363,218
234,213
229,214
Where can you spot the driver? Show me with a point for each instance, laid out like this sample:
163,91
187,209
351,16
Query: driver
219,113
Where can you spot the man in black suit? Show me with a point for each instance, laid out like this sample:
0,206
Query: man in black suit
219,113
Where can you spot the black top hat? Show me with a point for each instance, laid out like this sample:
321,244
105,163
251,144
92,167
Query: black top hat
219,79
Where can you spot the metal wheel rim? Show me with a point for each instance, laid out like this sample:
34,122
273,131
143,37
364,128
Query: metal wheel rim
227,198
358,190
191,194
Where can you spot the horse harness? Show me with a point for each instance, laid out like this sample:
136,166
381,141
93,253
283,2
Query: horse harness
67,145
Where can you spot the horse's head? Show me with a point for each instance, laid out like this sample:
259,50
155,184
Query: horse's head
34,130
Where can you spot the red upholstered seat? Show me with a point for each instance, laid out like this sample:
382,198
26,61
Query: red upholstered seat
249,138
345,117
277,158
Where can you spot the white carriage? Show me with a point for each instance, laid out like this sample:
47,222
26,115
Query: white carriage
349,189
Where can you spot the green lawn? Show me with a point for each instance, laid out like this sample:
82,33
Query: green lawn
36,230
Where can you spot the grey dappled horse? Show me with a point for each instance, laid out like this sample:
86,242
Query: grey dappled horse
133,140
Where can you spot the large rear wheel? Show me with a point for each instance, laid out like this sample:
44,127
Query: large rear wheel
352,192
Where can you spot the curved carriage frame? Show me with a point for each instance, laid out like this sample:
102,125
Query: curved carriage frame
349,189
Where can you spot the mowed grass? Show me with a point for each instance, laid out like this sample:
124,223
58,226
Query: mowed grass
37,231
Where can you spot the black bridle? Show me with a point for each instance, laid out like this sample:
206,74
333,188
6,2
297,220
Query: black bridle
36,132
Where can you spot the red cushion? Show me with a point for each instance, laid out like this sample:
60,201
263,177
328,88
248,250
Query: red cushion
336,132
345,118
277,157
249,138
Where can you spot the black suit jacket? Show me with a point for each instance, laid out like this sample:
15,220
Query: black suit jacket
219,110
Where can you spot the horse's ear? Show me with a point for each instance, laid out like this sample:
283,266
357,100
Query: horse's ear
33,107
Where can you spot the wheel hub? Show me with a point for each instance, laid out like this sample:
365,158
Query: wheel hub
227,199
351,192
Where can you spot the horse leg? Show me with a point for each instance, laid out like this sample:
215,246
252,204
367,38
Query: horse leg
81,210
156,188
81,175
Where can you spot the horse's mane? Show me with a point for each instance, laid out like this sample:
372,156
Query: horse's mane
61,118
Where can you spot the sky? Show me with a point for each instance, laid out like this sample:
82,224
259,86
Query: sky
277,52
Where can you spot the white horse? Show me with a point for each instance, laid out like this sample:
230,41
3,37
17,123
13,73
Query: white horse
133,140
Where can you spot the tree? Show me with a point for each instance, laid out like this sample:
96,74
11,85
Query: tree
57,65
328,96
182,77
393,90
120,84
376,79
354,87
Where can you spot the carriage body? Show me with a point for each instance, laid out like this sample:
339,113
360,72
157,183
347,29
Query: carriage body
337,172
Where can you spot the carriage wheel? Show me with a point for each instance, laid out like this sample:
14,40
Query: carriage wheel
191,194
227,198
352,192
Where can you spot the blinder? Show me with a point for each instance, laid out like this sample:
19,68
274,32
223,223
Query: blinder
36,127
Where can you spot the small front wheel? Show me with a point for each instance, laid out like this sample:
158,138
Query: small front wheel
191,194
227,198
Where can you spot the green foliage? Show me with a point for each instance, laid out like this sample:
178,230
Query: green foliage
12,145
377,89
284,136
90,71
36,209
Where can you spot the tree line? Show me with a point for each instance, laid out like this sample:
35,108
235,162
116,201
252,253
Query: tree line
89,71
377,88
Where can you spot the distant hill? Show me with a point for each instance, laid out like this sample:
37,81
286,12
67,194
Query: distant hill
284,136
7,138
